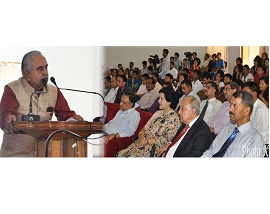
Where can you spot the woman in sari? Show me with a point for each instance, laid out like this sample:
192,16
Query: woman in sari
158,131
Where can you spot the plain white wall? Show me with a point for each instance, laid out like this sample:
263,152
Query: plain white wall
125,54
75,67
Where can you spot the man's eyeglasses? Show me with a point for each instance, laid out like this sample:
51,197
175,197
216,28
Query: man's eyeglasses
227,89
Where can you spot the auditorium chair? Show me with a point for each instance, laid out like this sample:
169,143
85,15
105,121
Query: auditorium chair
112,147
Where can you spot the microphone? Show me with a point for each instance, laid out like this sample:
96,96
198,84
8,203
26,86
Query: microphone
53,81
31,116
97,119
68,89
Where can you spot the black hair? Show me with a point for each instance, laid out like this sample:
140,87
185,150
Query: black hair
252,86
240,59
135,71
156,75
215,86
168,84
229,76
187,82
246,98
169,75
206,75
145,76
170,96
221,73
184,75
166,51
123,77
238,82
153,80
150,68
198,72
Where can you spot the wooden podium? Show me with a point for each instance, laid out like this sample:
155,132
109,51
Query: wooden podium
62,143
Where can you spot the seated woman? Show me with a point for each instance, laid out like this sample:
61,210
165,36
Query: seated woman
158,131
264,90
219,79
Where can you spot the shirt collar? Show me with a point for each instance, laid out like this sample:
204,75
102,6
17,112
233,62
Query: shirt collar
192,122
244,128
127,111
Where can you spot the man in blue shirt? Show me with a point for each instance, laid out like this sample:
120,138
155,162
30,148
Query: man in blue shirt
126,120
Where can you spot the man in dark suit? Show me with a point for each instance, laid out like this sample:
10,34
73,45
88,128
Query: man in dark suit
193,136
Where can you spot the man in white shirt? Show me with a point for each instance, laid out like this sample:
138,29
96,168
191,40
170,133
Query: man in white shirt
247,76
110,97
196,83
148,98
260,113
142,89
240,139
209,107
157,85
172,71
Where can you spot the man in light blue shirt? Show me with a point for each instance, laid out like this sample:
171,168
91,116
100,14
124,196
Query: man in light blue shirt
245,141
126,120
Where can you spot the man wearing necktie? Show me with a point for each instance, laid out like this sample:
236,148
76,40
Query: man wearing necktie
194,136
240,139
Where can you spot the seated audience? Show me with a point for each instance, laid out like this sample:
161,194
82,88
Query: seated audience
238,74
172,71
221,118
157,85
264,90
196,83
150,71
149,97
110,97
257,62
226,78
259,74
159,130
134,82
107,85
209,107
193,137
219,79
186,86
260,113
240,139
169,78
122,88
179,93
142,89
155,106
126,120
247,76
